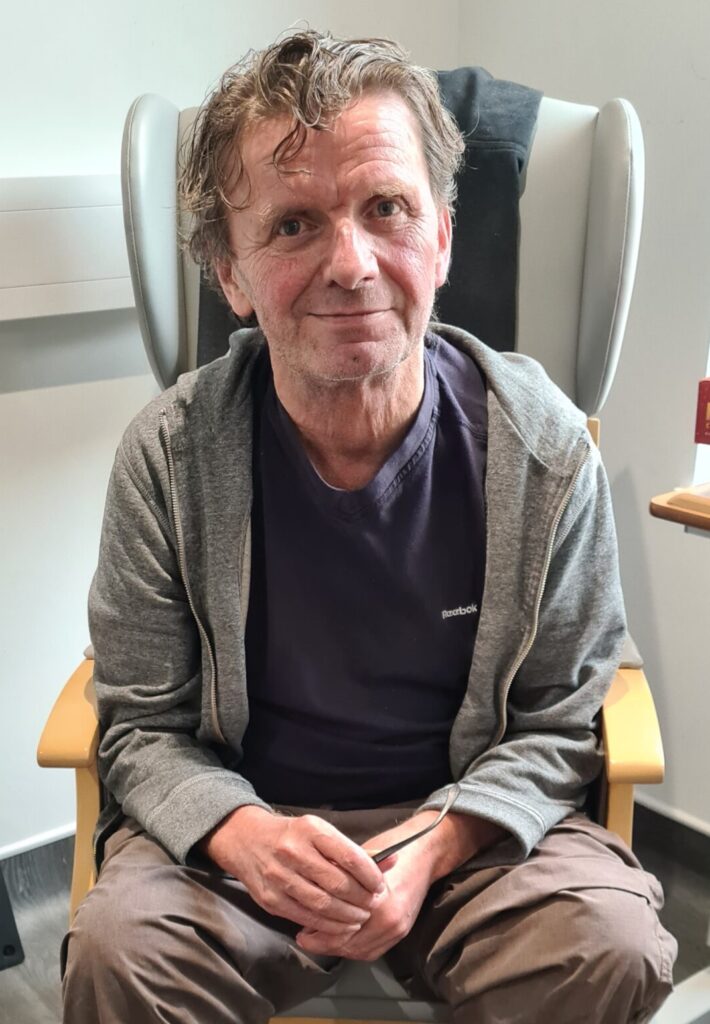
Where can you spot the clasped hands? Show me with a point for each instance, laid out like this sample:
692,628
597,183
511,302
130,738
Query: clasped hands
304,869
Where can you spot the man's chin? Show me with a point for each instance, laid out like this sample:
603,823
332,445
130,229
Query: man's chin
360,361
355,370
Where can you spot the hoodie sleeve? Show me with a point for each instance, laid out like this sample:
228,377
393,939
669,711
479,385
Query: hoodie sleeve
549,751
148,673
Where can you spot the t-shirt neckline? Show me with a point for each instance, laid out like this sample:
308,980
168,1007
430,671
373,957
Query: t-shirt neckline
384,485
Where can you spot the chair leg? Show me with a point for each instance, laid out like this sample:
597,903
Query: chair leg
87,812
620,810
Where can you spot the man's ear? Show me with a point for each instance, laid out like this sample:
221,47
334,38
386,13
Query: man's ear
443,256
234,293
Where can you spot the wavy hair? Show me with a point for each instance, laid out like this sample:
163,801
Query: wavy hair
310,78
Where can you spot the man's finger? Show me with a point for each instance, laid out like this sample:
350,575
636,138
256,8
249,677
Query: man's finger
294,911
351,858
322,943
385,863
322,904
338,882
354,946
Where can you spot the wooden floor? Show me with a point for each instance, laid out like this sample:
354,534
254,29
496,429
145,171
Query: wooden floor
38,885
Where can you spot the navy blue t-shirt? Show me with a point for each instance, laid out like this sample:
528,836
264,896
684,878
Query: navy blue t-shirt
364,604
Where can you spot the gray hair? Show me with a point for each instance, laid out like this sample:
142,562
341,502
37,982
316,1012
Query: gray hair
311,78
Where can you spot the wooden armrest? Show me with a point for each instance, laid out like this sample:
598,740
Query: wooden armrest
71,736
633,750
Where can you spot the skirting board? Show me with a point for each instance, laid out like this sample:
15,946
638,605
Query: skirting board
678,841
643,799
41,839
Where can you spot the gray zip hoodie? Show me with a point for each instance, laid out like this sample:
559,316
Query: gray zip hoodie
167,609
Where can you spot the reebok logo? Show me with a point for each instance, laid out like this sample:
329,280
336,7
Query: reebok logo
470,609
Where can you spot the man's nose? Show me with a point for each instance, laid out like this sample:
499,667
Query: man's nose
350,260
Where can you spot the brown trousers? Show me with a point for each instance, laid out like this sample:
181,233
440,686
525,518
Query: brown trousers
569,935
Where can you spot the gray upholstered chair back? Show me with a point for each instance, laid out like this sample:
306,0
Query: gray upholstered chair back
580,229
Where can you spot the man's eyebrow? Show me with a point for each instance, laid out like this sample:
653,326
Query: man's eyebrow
267,213
271,212
391,190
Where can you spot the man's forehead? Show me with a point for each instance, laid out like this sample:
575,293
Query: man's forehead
376,125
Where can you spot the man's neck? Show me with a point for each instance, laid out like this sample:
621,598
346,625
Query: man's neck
350,429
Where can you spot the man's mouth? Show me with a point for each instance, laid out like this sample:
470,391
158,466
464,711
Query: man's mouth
349,314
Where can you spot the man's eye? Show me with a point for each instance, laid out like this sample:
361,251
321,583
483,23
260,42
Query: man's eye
289,228
387,207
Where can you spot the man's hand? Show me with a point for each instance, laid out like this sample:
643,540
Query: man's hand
392,915
299,868
408,877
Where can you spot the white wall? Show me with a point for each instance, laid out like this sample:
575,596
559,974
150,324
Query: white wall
75,67
55,454
658,56
69,385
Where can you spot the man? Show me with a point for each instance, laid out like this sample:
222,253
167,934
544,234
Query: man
358,571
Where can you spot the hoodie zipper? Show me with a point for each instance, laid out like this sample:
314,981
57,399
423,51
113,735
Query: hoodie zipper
182,564
523,653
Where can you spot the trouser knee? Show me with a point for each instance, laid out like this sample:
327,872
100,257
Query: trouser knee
624,955
125,959
198,946
596,956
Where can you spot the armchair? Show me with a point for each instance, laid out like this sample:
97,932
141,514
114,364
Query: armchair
580,218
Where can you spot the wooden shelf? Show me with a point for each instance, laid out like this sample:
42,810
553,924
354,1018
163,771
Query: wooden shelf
689,506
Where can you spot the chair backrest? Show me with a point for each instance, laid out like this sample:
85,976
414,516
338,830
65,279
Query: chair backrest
579,237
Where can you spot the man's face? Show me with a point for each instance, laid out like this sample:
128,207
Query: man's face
339,250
